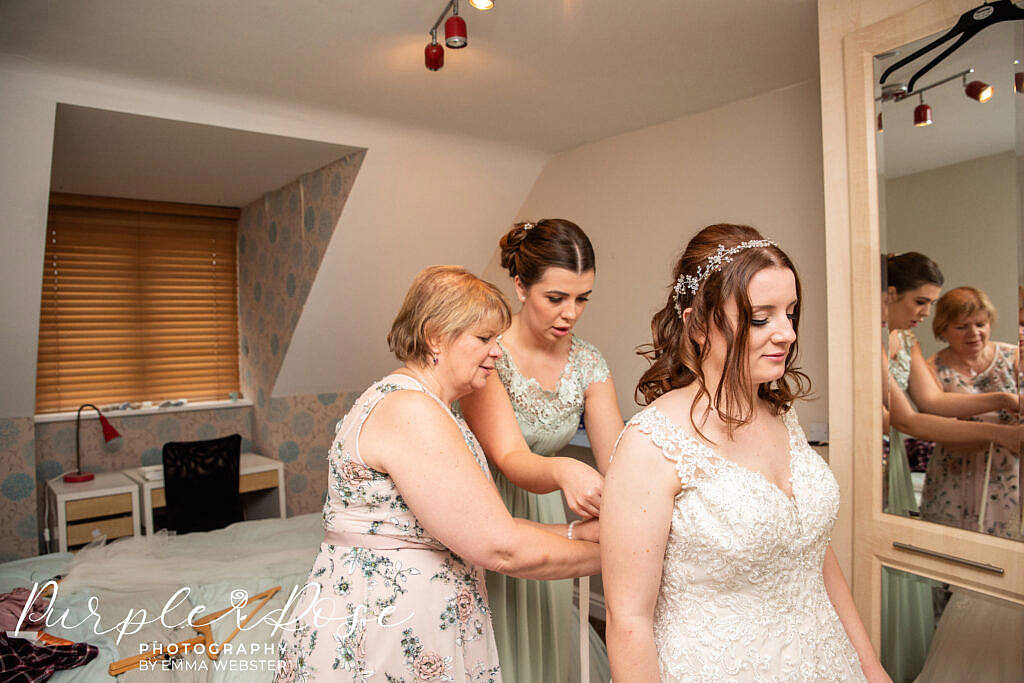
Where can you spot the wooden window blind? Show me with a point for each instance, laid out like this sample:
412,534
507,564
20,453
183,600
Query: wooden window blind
139,303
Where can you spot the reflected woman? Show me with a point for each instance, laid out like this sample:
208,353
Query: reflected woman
974,488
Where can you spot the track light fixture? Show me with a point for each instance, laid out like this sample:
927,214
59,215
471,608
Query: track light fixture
433,55
455,35
1018,77
922,114
976,90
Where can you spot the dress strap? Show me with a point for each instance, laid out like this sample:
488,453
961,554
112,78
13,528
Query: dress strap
689,455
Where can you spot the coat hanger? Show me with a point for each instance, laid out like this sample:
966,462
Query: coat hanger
967,26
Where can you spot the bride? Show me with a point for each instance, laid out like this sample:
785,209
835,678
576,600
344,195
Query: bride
716,512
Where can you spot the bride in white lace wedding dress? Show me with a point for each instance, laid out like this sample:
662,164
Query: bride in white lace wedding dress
716,512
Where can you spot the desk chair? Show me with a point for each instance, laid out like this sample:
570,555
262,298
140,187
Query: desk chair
201,483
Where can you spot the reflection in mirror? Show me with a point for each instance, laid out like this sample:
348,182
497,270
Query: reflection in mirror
965,636
949,217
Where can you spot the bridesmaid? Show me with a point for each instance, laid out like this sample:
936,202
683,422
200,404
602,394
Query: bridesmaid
524,415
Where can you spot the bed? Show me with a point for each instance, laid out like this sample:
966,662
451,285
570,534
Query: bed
144,573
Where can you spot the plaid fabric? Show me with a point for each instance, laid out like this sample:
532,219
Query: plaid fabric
23,662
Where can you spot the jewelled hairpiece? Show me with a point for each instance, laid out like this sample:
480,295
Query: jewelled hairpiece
715,262
528,225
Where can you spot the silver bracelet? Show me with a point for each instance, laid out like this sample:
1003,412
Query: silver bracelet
572,524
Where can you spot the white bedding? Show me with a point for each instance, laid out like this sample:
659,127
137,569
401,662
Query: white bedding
143,573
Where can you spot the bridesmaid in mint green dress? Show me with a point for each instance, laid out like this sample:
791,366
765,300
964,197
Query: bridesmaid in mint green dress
546,379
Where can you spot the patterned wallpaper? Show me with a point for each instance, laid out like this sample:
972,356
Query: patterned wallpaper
18,516
298,430
281,242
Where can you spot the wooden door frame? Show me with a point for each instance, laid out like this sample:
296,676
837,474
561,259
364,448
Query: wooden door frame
874,532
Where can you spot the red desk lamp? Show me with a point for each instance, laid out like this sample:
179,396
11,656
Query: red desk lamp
109,434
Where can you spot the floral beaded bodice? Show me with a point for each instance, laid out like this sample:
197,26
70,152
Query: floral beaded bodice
742,595
899,365
359,498
549,419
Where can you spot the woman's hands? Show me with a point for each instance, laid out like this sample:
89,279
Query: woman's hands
1009,402
875,673
581,484
589,530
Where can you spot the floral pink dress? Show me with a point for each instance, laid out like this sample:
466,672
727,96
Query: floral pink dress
394,604
955,483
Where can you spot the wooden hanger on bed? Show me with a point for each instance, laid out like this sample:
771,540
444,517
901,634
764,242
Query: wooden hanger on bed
204,628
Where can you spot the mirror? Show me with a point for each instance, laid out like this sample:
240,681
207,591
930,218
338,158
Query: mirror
949,164
960,635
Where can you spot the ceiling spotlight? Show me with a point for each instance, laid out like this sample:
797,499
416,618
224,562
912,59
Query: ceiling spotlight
433,54
977,90
455,30
1018,82
879,127
482,4
922,114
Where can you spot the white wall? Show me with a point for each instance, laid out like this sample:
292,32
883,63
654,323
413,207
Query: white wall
420,198
964,217
641,196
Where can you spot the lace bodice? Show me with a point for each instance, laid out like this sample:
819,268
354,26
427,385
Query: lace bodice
742,595
899,365
549,419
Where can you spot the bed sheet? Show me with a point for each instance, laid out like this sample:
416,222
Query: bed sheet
143,573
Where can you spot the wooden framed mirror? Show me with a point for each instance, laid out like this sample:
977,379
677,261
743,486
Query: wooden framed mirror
884,543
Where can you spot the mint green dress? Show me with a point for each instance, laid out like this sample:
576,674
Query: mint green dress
908,618
536,625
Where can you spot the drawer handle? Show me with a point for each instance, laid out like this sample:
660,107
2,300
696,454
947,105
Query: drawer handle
949,558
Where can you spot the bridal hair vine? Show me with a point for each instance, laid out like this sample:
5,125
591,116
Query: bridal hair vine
715,262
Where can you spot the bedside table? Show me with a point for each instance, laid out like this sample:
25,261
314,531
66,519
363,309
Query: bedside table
107,505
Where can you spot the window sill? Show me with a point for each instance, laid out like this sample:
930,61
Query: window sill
132,412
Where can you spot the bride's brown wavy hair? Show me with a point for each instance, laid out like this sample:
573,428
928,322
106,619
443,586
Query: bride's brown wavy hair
675,355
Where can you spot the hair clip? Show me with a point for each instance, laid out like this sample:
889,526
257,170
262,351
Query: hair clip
527,225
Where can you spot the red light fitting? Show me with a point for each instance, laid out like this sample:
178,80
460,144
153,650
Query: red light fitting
977,90
922,115
1018,82
433,56
455,31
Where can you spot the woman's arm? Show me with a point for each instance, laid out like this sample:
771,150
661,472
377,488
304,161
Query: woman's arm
635,521
929,397
489,414
410,437
839,593
944,429
603,420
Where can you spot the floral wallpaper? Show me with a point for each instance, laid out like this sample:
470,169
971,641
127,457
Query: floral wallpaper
282,238
18,516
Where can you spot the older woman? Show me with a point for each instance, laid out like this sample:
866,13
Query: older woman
961,482
412,518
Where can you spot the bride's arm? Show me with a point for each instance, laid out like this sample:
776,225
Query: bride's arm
842,600
635,520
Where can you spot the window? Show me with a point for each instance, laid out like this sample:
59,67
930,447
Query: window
139,303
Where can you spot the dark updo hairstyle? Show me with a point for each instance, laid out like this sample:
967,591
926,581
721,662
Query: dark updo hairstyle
910,270
676,356
529,249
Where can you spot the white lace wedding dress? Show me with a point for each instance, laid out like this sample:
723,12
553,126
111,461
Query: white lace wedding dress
742,596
